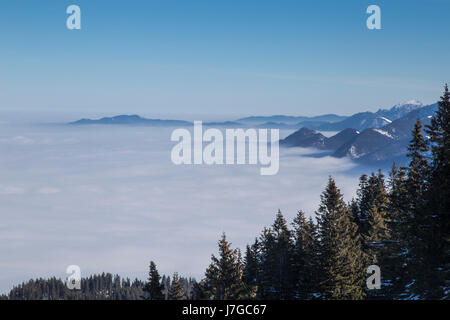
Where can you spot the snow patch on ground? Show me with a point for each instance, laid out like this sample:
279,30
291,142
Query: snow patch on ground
384,133
385,119
354,154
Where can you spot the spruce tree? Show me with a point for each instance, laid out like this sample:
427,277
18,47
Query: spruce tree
305,251
199,291
283,272
416,185
377,235
267,263
360,206
395,267
223,277
378,245
418,165
354,209
372,191
154,288
348,262
342,261
434,280
250,274
277,278
377,239
176,291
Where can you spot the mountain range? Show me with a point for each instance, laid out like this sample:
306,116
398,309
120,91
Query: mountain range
365,136
132,120
373,144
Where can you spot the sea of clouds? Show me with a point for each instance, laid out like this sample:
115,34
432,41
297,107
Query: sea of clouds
109,199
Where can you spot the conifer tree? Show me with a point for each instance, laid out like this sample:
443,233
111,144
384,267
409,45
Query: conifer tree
251,268
267,264
283,272
199,291
277,278
377,236
377,206
434,221
418,165
223,277
373,203
326,215
305,251
154,288
342,261
415,218
372,191
360,206
349,262
354,209
378,250
395,266
176,291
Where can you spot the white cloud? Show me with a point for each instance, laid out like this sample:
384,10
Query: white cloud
48,190
110,199
9,190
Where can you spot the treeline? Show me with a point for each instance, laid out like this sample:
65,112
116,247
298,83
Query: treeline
399,223
104,286
97,287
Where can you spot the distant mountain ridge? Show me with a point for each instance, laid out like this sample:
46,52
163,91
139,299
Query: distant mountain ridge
386,143
305,138
308,138
374,144
364,120
131,120
364,136
332,122
326,122
140,121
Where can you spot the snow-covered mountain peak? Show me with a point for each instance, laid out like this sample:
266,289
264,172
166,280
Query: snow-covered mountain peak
400,109
409,103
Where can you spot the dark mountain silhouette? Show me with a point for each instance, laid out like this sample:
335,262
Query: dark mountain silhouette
137,120
386,143
305,138
308,138
339,139
366,142
375,144
132,120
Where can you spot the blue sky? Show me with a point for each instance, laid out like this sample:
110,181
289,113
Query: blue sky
221,57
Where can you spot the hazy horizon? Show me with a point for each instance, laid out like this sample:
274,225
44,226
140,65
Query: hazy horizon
62,116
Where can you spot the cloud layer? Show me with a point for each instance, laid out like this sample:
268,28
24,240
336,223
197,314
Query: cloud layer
110,199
